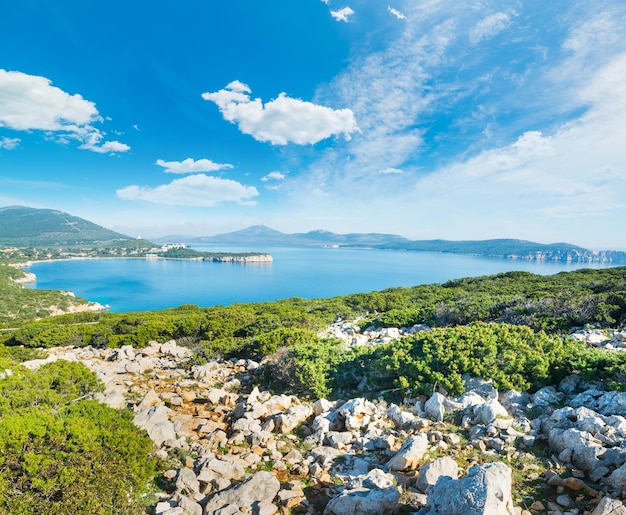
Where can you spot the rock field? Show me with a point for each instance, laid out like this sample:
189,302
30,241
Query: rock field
232,448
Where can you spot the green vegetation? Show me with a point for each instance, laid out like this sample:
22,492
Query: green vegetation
509,248
65,455
186,253
59,450
19,304
519,343
25,226
514,357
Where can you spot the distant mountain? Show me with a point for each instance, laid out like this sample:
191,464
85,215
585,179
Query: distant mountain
500,248
26,226
266,235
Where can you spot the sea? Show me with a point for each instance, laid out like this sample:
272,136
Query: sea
296,271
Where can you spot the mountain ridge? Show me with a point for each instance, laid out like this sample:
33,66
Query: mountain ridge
509,248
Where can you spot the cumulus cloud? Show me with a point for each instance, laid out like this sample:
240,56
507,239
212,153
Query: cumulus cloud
396,13
282,120
489,27
342,14
276,176
194,190
30,102
9,143
108,147
190,166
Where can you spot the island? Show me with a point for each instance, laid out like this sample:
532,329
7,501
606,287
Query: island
181,251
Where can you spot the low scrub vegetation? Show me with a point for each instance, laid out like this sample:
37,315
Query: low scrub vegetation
64,454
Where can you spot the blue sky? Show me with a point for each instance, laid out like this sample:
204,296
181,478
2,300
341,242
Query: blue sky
429,119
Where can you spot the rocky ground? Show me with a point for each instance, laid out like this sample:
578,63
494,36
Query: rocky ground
233,448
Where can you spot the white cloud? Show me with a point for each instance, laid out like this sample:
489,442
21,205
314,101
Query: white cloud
282,120
325,1
276,176
9,143
489,27
108,147
190,166
396,13
30,102
391,171
342,14
194,190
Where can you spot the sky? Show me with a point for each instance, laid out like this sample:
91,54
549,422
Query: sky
431,119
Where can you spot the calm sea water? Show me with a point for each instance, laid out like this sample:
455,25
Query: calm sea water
308,272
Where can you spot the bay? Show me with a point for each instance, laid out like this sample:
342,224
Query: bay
297,271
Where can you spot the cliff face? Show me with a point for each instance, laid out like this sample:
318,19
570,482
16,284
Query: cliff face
573,256
260,258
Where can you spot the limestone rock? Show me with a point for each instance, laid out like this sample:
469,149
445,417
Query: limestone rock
410,454
373,494
609,506
255,494
485,490
435,407
156,422
430,474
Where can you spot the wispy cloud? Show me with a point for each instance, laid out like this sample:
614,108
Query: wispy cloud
9,143
396,13
30,102
489,27
342,14
196,190
282,120
191,166
534,122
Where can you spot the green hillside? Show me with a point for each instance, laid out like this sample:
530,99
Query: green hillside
25,226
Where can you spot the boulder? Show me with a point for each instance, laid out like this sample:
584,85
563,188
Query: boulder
488,412
254,494
372,494
296,415
356,413
609,506
430,474
410,454
485,490
187,483
435,407
155,421
576,447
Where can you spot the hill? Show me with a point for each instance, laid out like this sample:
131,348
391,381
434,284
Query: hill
498,248
26,226
514,249
267,235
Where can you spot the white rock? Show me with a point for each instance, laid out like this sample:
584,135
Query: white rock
435,407
374,494
429,474
410,454
485,490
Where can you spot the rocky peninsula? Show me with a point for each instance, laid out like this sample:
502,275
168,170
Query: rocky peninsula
233,447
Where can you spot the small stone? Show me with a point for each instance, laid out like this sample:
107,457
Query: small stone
564,500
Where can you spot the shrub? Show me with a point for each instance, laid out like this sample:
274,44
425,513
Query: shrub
512,356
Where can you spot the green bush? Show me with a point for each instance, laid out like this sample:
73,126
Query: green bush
512,356
63,455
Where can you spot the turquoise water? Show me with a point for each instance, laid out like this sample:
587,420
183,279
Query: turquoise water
308,272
